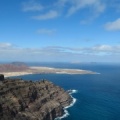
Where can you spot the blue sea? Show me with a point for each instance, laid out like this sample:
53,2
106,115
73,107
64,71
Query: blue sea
97,95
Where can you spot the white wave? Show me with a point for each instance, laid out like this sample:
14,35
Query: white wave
66,113
73,102
72,91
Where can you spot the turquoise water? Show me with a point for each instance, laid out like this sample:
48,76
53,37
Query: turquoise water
98,96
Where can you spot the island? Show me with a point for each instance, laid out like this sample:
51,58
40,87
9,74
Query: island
28,100
17,69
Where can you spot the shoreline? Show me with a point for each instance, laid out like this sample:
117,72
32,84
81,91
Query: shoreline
41,98
47,70
66,113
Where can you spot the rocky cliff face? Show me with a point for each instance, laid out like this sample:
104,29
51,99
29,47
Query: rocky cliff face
27,100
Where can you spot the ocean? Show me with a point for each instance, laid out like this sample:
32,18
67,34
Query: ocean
96,96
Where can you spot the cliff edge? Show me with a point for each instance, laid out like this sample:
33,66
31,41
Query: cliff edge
28,100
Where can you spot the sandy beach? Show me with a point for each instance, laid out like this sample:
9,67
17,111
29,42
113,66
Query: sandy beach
60,70
11,74
47,70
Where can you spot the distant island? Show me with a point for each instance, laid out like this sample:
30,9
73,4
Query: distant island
19,68
28,100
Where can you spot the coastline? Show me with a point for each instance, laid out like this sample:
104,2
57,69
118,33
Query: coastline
41,98
47,70
66,113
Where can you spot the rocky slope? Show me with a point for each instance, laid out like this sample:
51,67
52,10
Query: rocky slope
27,100
13,67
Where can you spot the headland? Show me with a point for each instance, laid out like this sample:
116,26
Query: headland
10,70
28,100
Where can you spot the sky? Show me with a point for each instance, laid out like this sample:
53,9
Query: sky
60,30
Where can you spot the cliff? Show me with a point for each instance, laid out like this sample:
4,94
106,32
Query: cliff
27,100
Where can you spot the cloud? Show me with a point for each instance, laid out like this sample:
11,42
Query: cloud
58,53
104,48
32,6
113,26
46,31
92,8
61,3
5,45
99,50
64,7
76,5
49,15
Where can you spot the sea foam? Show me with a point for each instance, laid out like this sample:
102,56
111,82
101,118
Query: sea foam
66,113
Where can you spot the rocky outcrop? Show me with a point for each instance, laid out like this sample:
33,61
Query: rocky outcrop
28,100
1,77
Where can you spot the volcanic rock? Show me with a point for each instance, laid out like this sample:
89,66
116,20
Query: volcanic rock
1,77
28,100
